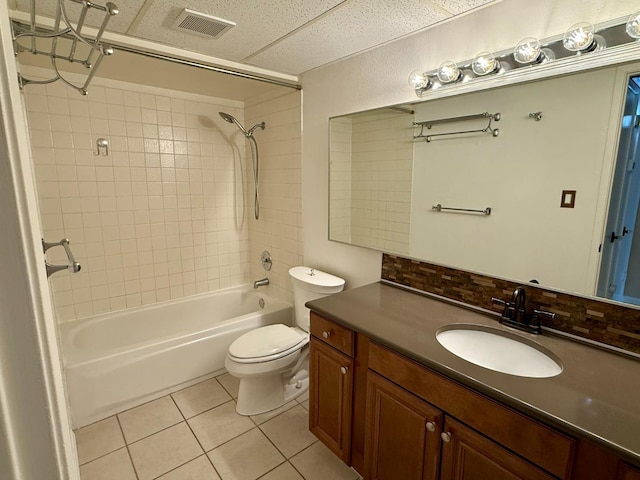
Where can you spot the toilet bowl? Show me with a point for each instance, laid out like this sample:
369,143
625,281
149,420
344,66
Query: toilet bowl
272,361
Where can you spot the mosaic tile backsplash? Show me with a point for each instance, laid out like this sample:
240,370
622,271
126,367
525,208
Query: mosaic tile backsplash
602,322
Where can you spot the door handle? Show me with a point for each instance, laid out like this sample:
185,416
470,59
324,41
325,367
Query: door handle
614,237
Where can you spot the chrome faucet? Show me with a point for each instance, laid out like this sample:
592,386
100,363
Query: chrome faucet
263,282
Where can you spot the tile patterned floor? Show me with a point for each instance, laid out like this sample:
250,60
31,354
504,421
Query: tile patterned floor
195,434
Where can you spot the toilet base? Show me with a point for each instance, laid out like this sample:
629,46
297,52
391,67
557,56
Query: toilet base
262,394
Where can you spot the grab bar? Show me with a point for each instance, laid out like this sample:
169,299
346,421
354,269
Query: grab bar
440,208
72,266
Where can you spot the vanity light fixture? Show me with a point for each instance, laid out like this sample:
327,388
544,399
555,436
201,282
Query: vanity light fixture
448,72
419,81
485,63
581,38
633,26
529,51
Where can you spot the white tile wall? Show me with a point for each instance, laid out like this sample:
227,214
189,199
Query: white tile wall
371,176
340,139
160,217
279,229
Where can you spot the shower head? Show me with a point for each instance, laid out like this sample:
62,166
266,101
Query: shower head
231,119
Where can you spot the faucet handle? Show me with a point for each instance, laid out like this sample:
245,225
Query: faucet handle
549,315
498,301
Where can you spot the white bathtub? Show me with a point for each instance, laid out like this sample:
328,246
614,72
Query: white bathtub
119,360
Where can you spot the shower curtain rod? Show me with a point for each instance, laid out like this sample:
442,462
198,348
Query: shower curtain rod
212,68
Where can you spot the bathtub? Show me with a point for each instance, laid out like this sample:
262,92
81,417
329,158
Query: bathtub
119,360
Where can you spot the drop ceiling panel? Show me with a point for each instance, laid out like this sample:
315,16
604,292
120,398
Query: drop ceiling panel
355,27
459,6
120,23
258,23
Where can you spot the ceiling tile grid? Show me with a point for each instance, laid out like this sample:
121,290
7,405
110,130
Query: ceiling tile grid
258,23
288,36
355,27
457,7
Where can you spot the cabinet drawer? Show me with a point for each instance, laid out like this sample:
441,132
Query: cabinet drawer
332,334
543,446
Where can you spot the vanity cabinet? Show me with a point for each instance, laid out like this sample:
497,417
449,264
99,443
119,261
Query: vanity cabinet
393,418
331,387
402,438
479,438
629,473
468,455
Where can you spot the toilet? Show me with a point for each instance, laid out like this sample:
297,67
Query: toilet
272,361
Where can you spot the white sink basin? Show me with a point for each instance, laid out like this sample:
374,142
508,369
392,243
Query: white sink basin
499,350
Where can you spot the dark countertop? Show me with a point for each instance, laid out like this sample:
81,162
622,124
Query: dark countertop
597,395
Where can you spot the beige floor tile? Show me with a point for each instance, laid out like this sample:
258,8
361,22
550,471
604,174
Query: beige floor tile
164,451
115,465
305,405
230,384
198,469
200,398
98,439
318,463
150,418
289,431
263,417
246,457
283,472
219,425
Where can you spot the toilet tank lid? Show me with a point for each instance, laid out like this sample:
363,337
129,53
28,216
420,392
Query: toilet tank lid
315,277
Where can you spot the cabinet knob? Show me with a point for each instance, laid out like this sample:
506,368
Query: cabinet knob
326,334
431,426
344,370
446,437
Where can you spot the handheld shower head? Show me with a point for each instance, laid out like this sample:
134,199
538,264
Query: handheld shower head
231,119
254,151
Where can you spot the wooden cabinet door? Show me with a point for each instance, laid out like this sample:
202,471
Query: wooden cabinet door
629,473
330,397
467,455
402,433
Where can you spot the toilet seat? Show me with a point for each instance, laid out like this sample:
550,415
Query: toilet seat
267,343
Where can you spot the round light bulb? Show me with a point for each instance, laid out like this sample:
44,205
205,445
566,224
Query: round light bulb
484,63
448,72
579,37
419,80
633,26
528,50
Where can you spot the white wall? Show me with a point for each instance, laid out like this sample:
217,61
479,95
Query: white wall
379,77
521,175
35,434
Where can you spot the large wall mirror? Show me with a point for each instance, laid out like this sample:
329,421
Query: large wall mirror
556,171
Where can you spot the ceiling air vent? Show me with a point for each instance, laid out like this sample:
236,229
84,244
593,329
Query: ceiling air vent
202,24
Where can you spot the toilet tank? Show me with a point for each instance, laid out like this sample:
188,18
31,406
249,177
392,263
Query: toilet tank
309,284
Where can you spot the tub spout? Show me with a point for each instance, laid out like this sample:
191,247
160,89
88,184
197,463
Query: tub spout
261,283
